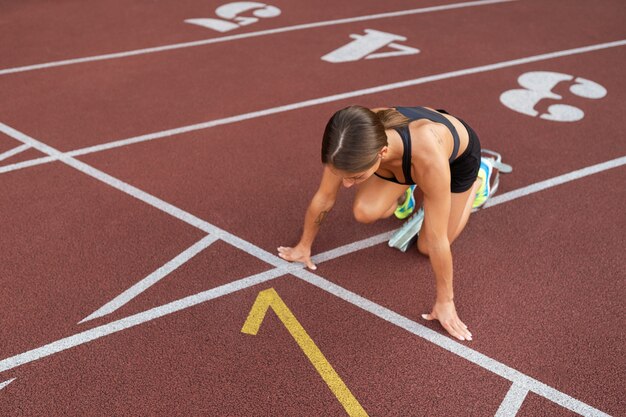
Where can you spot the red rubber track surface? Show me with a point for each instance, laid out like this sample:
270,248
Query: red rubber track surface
539,280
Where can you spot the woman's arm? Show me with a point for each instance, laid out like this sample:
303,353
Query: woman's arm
437,200
321,204
433,173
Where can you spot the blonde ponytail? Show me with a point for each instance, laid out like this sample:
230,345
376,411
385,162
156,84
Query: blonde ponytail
391,118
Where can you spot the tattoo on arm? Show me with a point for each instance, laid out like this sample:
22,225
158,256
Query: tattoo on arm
320,218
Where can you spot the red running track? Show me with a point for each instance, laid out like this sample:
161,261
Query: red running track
538,279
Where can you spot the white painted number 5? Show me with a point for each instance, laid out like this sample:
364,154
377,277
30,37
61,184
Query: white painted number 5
231,12
538,85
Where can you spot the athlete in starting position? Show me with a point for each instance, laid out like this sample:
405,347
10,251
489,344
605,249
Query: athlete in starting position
387,152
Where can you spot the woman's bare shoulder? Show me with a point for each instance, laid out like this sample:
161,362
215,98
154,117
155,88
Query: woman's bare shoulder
427,141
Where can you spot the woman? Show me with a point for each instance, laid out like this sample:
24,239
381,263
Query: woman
383,151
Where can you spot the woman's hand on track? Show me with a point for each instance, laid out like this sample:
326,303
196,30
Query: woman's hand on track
445,313
297,254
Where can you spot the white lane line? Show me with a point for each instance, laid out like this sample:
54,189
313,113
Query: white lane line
13,152
417,329
249,35
450,345
314,102
552,182
151,279
352,247
342,96
512,401
494,201
27,164
5,383
139,318
166,309
146,198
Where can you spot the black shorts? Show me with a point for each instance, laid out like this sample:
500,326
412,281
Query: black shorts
464,169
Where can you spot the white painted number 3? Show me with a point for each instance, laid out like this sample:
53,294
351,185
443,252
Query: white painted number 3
231,13
538,85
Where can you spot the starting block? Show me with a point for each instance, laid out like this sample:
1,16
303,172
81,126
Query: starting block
406,235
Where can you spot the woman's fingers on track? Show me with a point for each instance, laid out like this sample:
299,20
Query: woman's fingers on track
461,329
464,326
456,328
289,255
284,251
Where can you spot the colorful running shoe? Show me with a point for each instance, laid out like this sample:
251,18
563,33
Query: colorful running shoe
405,209
484,173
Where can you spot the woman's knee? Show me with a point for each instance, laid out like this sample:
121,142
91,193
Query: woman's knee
364,213
368,213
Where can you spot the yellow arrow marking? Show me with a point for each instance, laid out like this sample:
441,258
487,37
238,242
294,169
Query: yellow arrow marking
270,298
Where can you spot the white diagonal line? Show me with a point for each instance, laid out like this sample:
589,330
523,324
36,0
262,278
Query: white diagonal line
494,201
343,96
146,197
27,164
352,247
154,313
139,318
249,35
553,182
151,279
13,152
5,383
313,102
512,401
388,315
450,345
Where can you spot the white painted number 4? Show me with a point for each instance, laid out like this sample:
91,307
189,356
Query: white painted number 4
538,85
232,18
365,47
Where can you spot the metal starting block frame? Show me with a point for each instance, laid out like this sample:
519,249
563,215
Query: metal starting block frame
407,234
402,238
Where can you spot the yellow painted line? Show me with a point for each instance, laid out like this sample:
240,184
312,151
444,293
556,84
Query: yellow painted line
270,298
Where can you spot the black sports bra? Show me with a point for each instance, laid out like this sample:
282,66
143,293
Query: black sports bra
416,113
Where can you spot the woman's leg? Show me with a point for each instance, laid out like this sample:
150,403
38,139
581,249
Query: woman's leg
460,210
376,199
